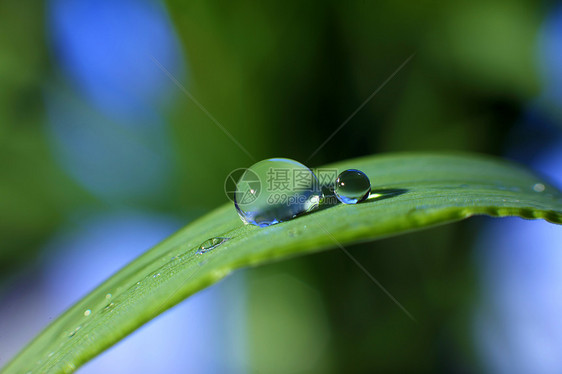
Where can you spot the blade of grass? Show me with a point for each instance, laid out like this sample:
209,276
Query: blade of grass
410,192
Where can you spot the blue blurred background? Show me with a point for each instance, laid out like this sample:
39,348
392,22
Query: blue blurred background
102,156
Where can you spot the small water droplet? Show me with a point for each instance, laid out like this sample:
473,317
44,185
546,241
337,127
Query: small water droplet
108,296
539,187
203,263
73,332
296,231
211,244
156,275
276,190
87,312
352,186
108,307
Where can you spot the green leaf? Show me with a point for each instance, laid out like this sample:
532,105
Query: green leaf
414,190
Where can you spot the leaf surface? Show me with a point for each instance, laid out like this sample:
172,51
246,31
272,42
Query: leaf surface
410,191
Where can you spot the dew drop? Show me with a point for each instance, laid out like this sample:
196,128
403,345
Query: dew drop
87,312
108,307
352,186
276,190
156,275
202,263
108,296
211,244
296,231
73,332
539,187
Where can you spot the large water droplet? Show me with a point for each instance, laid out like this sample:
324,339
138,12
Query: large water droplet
276,190
352,186
211,244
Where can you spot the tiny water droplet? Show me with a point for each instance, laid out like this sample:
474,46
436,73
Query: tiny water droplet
156,275
539,187
352,186
73,332
203,263
211,244
296,231
87,312
108,296
276,190
108,307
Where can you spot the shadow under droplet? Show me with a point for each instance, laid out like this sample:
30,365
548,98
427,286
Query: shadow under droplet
329,200
384,193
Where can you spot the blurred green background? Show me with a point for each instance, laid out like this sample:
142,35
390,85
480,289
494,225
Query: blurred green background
281,78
